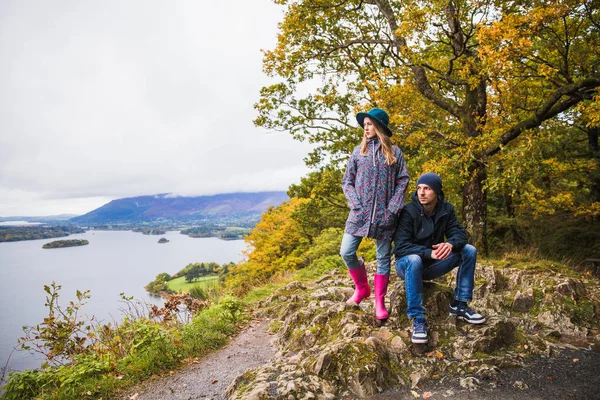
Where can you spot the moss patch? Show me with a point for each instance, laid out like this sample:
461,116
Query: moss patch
582,312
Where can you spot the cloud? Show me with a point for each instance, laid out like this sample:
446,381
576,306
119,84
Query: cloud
113,99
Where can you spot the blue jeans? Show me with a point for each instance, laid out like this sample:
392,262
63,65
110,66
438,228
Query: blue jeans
412,269
350,245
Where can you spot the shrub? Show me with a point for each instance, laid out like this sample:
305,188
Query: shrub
232,307
125,353
326,244
28,384
63,334
321,267
198,292
207,330
159,285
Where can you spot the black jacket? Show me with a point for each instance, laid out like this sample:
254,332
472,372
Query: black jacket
417,231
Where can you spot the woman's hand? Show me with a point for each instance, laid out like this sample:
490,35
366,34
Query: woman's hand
390,218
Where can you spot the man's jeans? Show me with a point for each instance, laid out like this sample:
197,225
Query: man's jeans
350,245
412,269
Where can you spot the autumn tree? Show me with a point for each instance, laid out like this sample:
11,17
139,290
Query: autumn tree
463,80
276,244
324,206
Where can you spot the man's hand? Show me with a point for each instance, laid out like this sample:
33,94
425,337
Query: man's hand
441,251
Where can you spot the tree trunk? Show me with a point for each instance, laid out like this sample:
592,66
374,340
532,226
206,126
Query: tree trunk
593,134
474,209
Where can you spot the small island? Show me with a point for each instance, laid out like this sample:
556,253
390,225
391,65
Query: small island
163,240
65,243
146,230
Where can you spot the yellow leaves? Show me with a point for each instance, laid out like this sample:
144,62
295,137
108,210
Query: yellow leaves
590,112
501,43
414,19
546,70
589,212
435,353
272,242
521,51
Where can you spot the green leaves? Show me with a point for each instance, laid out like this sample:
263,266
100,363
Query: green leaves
462,81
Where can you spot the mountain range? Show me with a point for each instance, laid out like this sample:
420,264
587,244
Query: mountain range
179,209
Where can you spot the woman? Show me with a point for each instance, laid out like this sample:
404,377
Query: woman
374,184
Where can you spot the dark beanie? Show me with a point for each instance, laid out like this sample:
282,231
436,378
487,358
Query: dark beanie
432,180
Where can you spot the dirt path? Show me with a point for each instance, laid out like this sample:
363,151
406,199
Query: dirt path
570,374
209,378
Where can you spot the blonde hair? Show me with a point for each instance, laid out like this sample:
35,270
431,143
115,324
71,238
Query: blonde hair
386,144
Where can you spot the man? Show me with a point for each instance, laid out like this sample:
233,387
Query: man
422,254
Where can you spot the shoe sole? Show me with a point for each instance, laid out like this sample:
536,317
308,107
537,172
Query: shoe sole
355,304
419,341
471,321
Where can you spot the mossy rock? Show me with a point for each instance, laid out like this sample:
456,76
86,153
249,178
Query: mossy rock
436,300
329,350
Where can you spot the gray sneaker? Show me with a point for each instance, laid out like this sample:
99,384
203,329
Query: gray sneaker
466,314
419,331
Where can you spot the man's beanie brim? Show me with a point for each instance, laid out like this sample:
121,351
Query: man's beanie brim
432,180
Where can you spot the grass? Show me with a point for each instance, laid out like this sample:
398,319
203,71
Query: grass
102,376
261,293
180,284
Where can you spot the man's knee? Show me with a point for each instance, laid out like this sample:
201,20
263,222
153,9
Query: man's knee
469,251
414,261
409,264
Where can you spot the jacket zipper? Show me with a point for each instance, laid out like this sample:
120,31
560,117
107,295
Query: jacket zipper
375,196
423,215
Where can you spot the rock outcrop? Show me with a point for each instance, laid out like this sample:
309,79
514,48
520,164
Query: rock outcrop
328,350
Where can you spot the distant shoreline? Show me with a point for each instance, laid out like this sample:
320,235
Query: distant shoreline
21,223
35,232
38,231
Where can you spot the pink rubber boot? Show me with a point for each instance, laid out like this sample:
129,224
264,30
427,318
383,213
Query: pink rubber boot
362,290
380,288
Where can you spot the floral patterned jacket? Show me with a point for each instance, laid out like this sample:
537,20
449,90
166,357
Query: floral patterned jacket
375,191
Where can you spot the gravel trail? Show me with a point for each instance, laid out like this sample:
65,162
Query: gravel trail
210,376
569,374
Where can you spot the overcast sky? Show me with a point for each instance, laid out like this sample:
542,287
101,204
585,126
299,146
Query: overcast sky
109,99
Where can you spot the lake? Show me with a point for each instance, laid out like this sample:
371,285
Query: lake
114,262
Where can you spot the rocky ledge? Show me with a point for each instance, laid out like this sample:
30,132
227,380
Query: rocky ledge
328,350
